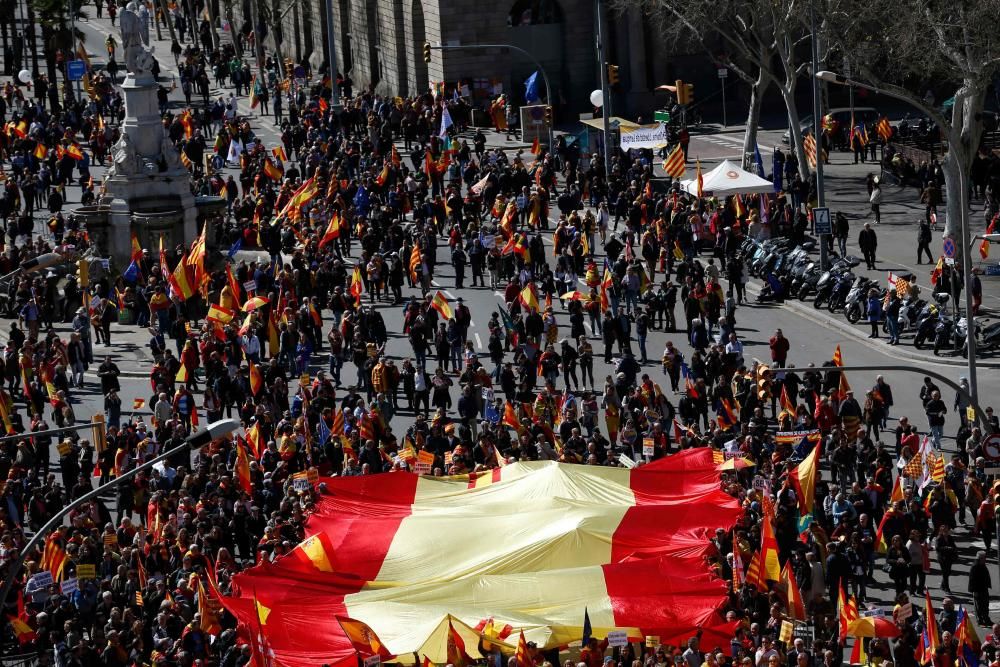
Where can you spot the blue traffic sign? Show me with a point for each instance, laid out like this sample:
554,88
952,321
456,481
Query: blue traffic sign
948,248
75,70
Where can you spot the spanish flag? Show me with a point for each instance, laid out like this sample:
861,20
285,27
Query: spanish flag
272,171
74,151
793,596
217,313
803,479
279,153
138,403
255,440
440,304
408,517
181,280
770,566
786,401
242,468
315,553
41,151
256,380
383,176
5,405
19,624
332,230
529,297
182,374
357,285
363,638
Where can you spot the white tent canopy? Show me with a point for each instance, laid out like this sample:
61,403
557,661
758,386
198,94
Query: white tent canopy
729,179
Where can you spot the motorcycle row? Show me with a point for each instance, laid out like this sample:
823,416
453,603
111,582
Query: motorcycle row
789,271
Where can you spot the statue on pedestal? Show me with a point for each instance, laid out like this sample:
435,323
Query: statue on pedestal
138,59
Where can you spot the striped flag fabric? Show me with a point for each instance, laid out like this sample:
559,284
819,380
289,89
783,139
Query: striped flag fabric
674,163
217,313
412,579
809,145
884,129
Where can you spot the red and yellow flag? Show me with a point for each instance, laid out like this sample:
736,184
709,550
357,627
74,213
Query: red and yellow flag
256,380
440,304
357,285
363,638
332,230
217,313
242,468
529,298
793,596
803,478
770,566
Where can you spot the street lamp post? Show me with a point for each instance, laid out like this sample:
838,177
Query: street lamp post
963,229
602,63
824,259
193,441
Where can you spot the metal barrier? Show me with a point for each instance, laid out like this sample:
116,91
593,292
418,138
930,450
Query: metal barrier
22,660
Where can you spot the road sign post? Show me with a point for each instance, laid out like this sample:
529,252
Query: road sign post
821,220
75,69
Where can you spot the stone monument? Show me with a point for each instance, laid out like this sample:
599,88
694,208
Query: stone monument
148,189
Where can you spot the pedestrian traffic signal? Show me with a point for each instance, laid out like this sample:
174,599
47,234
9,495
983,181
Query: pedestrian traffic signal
83,273
763,382
427,52
613,77
685,92
548,115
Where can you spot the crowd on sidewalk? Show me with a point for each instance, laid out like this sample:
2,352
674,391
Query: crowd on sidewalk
351,226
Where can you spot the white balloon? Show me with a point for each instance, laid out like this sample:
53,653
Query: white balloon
597,98
24,76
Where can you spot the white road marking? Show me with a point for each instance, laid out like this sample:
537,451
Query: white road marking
449,295
479,342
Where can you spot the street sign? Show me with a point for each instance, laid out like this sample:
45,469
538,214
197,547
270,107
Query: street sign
991,446
723,73
821,216
948,248
993,270
75,70
661,116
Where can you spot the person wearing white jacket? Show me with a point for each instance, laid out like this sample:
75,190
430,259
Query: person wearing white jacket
876,200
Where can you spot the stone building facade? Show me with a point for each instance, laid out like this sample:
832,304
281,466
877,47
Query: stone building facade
380,43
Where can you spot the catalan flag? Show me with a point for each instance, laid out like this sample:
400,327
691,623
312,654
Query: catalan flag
674,164
884,129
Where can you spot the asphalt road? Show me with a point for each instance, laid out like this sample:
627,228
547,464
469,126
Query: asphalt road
813,341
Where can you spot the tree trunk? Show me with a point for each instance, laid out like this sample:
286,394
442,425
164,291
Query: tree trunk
757,90
963,142
795,132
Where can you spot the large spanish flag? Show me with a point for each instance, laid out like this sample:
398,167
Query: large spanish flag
530,545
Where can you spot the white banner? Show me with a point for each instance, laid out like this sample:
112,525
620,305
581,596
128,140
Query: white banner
645,136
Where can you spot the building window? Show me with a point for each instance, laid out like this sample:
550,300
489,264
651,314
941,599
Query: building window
535,12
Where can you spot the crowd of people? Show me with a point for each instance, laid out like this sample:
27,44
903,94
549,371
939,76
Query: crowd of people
357,210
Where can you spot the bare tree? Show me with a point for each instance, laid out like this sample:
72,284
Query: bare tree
914,46
757,39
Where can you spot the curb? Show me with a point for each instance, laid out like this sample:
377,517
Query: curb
903,354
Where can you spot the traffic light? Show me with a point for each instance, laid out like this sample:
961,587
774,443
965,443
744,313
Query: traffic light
548,114
763,382
99,436
688,93
83,273
613,77
427,52
681,89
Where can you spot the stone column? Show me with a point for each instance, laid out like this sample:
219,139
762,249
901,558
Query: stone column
142,114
